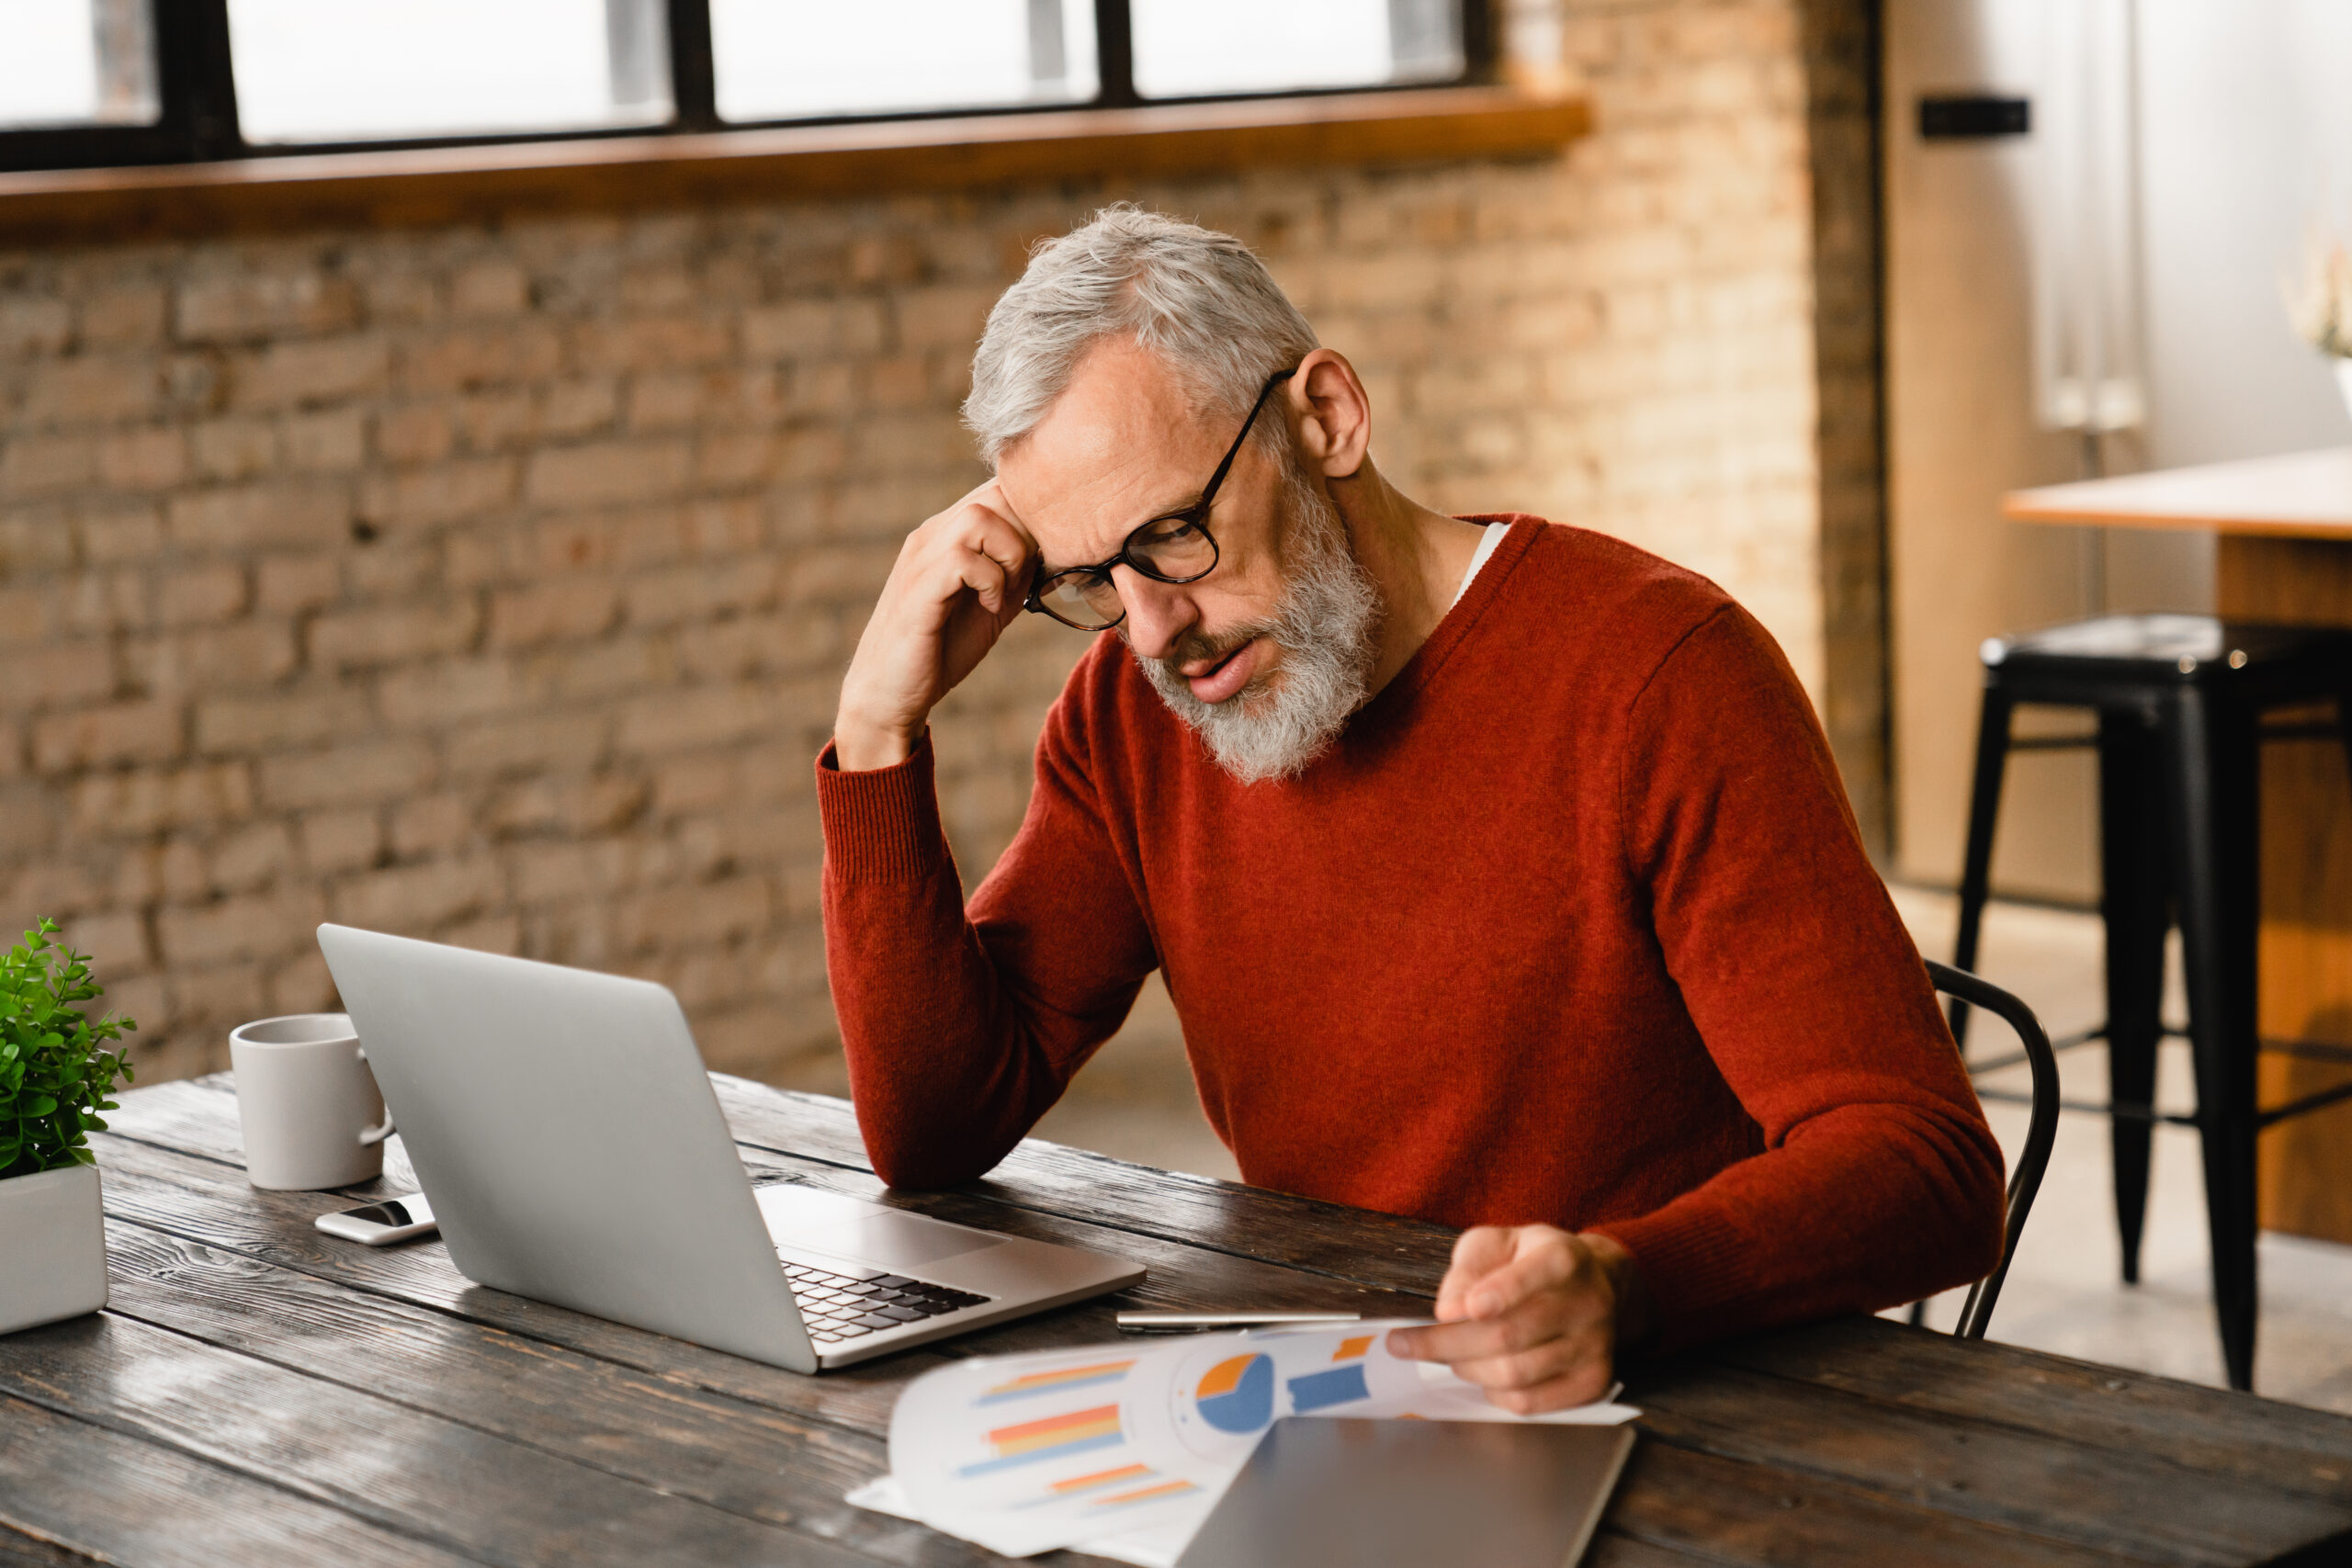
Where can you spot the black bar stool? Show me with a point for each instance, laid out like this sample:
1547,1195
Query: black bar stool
2180,700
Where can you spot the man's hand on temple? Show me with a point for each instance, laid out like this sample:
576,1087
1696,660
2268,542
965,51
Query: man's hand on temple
1533,1315
958,583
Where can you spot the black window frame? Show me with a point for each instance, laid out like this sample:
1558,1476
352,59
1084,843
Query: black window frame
198,89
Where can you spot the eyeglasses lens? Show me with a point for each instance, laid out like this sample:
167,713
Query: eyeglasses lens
1082,600
1176,549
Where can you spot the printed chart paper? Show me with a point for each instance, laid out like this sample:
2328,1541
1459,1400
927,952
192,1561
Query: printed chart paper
1124,1448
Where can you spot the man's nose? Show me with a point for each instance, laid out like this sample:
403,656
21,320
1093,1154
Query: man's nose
1157,613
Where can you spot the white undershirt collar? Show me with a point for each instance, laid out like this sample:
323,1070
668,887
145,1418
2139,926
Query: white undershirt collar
1489,538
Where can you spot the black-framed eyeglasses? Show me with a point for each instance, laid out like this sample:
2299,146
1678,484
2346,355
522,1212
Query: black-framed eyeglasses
1175,547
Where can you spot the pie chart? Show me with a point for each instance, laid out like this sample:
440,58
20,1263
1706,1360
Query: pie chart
1237,1394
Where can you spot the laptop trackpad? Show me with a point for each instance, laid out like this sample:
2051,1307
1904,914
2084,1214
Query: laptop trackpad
800,1217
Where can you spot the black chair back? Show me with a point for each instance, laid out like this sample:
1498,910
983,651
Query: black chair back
2041,1129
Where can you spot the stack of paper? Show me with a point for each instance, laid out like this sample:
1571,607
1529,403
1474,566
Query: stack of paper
1123,1450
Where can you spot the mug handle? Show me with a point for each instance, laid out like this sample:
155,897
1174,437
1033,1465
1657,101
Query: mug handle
371,1136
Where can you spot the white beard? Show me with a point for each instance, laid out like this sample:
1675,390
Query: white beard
1327,628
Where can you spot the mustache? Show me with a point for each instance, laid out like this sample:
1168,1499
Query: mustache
1196,645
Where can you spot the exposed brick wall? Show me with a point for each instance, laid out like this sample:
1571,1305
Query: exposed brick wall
494,584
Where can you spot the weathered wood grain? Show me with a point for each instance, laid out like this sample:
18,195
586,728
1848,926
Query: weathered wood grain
1851,1442
261,1224
123,1499
2206,1431
638,1428
1611,1549
2017,1477
1731,1512
414,1474
20,1550
204,1202
214,1204
193,1116
1373,1251
748,1459
1203,1279
764,1120
1378,1251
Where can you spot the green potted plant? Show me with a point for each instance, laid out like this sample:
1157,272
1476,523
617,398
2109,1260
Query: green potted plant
56,1072
2323,307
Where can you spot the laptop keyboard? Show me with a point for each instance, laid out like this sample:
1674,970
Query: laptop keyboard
838,1306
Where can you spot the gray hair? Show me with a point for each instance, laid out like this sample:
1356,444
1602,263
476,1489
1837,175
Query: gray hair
1201,301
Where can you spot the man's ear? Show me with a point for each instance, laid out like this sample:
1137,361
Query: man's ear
1334,413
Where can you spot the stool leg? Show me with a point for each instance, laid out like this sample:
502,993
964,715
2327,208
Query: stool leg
1983,812
2211,801
2131,900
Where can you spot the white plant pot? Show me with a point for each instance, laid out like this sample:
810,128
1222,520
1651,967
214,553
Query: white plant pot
2344,380
52,1247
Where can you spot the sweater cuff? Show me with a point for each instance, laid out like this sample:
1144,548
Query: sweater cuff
881,826
1695,1265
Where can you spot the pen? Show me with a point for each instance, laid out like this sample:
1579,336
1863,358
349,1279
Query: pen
1195,1322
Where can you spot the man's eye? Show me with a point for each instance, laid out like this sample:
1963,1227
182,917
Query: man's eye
1166,530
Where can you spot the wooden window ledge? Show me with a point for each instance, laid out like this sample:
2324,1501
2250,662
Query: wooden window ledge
440,186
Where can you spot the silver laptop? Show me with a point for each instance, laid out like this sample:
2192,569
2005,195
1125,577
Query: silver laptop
570,1143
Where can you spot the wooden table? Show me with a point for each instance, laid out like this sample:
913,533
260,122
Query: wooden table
2285,527
258,1393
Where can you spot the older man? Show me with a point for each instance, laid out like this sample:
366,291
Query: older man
1498,871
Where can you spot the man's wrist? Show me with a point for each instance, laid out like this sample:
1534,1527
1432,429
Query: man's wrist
862,748
1636,1309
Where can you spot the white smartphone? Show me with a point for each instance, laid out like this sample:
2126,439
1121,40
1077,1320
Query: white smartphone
380,1224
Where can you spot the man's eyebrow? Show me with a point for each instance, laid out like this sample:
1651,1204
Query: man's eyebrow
1046,570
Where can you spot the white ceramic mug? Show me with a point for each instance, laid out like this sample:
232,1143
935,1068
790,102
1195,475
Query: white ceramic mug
312,1115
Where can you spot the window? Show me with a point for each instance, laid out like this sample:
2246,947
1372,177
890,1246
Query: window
67,62
1197,48
93,82
798,59
376,69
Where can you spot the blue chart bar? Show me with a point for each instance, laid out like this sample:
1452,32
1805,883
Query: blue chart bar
1336,1386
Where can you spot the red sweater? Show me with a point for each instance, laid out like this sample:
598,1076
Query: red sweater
1572,925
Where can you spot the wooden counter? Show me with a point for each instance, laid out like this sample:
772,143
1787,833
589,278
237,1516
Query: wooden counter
2285,527
256,1394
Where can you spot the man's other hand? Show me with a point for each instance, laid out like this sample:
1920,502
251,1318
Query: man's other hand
1533,1315
958,583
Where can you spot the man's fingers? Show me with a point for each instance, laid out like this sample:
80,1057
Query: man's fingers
1527,1313
975,539
1517,1356
1468,1339
1581,1386
924,637
1531,1368
1000,539
1504,1267
1482,1249
1544,1317
986,577
1546,1265
1477,1252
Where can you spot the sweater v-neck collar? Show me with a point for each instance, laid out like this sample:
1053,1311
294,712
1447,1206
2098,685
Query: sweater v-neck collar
1456,624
